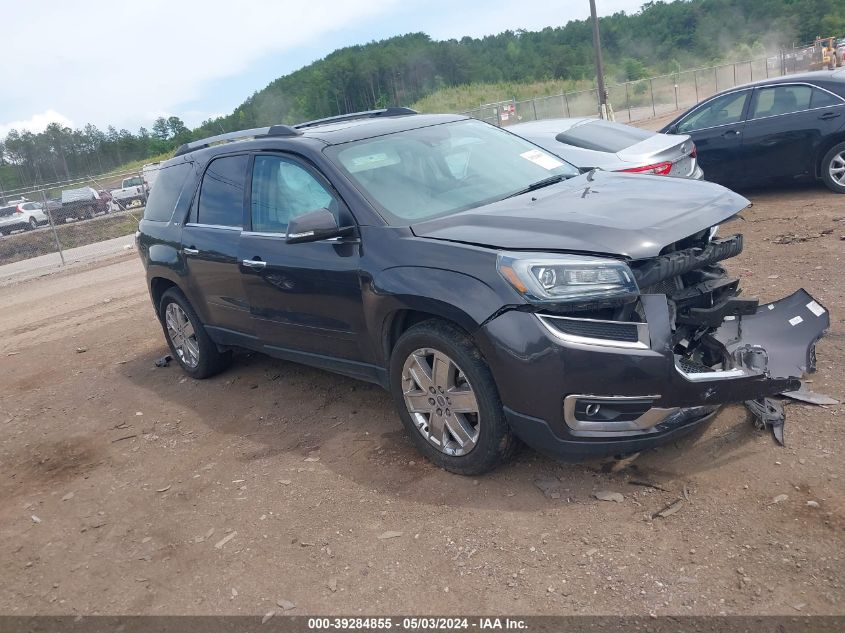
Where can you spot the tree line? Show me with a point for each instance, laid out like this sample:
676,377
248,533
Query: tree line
661,37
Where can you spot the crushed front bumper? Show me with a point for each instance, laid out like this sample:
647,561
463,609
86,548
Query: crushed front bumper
646,395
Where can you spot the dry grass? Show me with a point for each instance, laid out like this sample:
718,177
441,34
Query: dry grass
466,97
25,245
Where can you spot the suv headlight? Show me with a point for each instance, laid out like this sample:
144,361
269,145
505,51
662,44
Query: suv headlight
568,279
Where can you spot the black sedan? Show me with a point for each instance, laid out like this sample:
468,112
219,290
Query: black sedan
774,130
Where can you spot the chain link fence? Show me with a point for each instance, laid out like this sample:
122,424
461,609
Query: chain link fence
644,98
53,224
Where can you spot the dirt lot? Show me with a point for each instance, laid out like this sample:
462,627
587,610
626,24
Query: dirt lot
130,489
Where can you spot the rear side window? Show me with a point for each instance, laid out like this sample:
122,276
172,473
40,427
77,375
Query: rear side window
780,100
602,136
164,197
222,192
824,99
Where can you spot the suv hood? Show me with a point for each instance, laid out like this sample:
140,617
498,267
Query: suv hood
631,215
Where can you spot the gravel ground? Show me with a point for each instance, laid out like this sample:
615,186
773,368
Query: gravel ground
128,489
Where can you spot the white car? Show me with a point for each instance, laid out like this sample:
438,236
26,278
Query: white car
590,143
21,214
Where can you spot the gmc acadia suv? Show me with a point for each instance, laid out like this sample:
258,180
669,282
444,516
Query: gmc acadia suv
494,290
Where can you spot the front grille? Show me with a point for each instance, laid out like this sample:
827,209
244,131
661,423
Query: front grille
690,367
608,330
665,287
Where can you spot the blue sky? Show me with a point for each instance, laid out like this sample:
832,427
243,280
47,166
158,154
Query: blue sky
125,64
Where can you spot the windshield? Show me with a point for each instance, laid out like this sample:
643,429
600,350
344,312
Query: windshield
442,169
133,182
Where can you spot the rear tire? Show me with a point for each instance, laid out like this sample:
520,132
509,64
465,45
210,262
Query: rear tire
189,343
833,168
32,225
435,368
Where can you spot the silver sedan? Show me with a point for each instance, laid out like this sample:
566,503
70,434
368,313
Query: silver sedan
591,143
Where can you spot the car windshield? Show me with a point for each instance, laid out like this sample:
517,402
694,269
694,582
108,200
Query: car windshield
443,169
132,182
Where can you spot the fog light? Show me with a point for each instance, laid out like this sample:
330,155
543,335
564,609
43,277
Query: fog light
592,410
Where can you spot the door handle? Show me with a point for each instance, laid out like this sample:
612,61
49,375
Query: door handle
829,115
731,133
254,263
190,251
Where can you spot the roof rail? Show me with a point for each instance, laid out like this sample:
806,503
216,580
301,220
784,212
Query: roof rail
367,114
229,137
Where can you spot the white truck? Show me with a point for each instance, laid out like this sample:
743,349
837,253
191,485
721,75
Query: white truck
132,192
150,173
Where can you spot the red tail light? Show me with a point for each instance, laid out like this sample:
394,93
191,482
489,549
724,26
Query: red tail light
658,169
19,210
694,152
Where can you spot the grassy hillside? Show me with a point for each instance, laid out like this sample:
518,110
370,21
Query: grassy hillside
466,97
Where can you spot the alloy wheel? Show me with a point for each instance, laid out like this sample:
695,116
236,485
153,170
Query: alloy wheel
441,401
837,169
182,335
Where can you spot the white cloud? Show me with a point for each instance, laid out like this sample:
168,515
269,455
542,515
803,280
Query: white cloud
35,123
118,63
114,62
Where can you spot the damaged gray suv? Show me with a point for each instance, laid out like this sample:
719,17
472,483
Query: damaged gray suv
497,292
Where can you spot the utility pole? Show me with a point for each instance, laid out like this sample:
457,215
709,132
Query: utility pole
605,110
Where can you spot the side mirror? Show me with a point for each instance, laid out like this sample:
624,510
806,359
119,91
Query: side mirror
314,226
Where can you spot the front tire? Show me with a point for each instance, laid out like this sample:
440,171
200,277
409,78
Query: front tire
32,224
833,168
448,401
189,343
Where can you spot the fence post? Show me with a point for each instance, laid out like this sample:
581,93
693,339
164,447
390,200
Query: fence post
52,226
653,107
628,101
734,76
716,78
534,107
566,103
676,96
695,80
751,69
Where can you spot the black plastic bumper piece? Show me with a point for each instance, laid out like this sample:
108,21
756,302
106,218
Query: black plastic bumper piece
539,435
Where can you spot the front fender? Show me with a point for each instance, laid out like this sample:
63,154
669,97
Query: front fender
457,297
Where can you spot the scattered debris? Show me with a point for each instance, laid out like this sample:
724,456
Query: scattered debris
165,489
312,459
12,353
125,437
607,495
549,487
332,585
810,396
668,510
164,361
285,482
35,519
768,412
620,464
267,617
68,496
219,544
287,605
779,499
389,534
81,350
591,552
813,504
647,484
